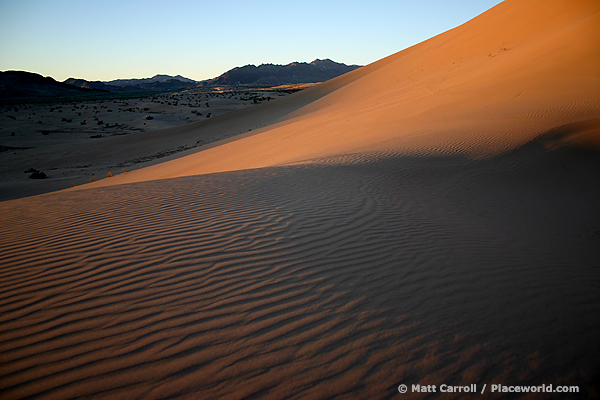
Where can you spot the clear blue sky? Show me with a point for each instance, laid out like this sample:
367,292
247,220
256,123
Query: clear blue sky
108,39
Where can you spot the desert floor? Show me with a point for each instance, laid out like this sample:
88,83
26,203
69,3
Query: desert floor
44,134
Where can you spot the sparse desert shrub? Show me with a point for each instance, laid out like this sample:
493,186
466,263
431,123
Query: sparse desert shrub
124,171
93,179
45,132
30,170
95,136
38,175
149,117
83,122
110,174
11,117
100,122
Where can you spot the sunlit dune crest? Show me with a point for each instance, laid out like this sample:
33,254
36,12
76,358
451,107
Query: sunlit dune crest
428,219
483,88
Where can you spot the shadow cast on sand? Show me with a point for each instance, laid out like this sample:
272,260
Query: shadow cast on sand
308,281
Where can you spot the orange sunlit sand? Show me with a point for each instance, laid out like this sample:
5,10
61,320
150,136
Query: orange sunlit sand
429,218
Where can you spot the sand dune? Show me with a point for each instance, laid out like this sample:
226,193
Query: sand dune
414,221
486,87
306,281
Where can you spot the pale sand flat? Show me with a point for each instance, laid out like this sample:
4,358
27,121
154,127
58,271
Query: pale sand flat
380,234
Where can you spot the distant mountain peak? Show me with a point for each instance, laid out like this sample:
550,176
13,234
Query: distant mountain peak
165,78
276,74
159,78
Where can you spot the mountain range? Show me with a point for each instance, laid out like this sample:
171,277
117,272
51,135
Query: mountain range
149,81
21,84
272,74
157,82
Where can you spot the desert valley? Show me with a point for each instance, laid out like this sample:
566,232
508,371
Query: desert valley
430,218
74,141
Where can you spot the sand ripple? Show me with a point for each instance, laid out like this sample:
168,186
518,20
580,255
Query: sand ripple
305,281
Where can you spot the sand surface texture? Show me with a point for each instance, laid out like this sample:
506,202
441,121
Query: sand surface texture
431,218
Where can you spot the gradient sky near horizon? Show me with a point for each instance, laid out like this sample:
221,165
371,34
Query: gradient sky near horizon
109,39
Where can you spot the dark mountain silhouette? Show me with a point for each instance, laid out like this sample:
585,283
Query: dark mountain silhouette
82,83
21,84
149,81
128,85
272,74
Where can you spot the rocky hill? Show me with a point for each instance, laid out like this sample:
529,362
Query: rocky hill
82,83
150,81
273,74
157,82
21,84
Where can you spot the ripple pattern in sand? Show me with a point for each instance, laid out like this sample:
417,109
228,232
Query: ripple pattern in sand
294,282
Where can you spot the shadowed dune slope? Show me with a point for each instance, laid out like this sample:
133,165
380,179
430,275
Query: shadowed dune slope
429,219
488,86
308,281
